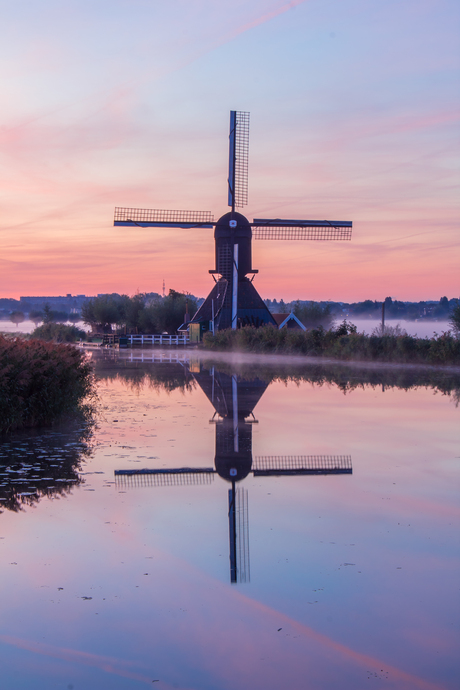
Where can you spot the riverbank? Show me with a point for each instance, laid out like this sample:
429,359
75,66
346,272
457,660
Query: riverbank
41,383
343,343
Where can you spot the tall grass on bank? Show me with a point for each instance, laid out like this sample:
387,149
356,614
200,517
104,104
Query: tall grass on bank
343,343
40,383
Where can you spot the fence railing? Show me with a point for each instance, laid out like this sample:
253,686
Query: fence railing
157,339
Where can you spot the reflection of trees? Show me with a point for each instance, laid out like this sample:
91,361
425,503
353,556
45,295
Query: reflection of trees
346,377
170,376
45,464
167,376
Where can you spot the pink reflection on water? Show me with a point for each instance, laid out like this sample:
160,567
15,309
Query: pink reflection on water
155,560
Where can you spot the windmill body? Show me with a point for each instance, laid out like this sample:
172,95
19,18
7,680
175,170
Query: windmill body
234,302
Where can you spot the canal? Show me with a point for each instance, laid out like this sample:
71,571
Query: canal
255,524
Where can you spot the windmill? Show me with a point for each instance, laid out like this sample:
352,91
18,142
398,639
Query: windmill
234,399
234,301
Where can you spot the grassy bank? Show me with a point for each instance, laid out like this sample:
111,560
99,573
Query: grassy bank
342,343
41,383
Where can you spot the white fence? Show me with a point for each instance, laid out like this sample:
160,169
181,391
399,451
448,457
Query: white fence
157,339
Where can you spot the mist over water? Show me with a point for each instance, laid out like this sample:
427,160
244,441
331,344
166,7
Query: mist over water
422,328
253,524
28,326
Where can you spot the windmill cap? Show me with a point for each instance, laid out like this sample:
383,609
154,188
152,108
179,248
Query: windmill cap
240,226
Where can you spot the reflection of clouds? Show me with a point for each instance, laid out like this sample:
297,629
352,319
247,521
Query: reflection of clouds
35,466
104,663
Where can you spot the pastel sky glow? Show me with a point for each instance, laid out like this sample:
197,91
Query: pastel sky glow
355,110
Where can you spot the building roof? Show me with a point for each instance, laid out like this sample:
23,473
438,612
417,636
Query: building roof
282,320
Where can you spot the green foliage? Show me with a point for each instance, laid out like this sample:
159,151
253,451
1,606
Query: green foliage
101,313
454,319
313,314
167,314
139,314
343,343
41,382
59,333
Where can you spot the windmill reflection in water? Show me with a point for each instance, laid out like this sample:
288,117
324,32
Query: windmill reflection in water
234,399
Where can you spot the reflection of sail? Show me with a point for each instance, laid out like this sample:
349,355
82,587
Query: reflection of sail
184,476
266,465
238,520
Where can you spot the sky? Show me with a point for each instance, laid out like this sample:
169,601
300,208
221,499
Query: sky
355,110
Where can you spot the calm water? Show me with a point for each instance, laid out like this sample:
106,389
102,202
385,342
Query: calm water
296,528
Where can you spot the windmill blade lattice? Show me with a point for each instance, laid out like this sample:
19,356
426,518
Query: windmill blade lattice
234,302
182,476
163,218
266,465
238,159
278,229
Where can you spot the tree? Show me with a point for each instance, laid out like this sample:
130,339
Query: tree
47,315
101,313
36,315
166,315
133,307
313,314
282,307
17,317
454,319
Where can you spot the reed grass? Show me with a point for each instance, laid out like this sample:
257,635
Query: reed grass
41,382
342,343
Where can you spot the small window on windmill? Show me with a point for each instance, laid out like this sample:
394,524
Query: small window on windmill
232,223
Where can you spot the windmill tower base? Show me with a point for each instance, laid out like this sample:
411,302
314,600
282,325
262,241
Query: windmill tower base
217,307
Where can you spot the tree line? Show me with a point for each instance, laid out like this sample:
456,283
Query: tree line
394,309
138,314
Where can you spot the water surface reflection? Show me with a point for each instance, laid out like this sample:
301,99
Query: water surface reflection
142,574
35,465
234,398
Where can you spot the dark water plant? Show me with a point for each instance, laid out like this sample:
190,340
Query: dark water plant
41,383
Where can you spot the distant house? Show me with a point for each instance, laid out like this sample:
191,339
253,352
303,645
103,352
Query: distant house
288,321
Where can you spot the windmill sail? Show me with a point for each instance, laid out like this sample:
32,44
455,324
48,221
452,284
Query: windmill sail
234,302
279,229
162,218
238,159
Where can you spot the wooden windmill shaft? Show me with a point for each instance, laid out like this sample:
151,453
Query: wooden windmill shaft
234,301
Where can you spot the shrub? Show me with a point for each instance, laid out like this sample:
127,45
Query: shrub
42,382
58,332
341,343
